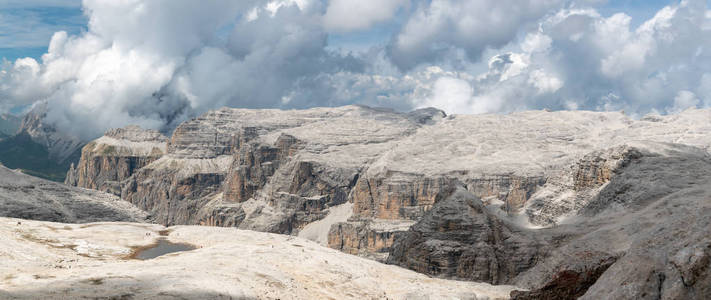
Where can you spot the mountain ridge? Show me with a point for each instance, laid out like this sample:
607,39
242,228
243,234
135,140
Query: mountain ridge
35,147
530,181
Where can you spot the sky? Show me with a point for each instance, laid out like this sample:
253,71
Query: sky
98,64
27,26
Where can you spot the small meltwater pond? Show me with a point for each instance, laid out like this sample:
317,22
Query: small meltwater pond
163,247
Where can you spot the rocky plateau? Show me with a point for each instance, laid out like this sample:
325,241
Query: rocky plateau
560,204
45,260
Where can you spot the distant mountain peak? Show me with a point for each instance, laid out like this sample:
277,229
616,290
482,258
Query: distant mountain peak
60,145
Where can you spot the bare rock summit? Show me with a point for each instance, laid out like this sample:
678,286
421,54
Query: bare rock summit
561,204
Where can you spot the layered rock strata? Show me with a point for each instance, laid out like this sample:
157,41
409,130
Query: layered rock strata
485,197
368,238
634,234
644,235
268,170
461,238
115,157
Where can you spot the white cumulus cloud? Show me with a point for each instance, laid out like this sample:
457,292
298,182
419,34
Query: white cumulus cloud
579,59
350,15
156,63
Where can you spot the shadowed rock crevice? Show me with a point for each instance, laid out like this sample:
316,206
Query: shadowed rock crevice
570,283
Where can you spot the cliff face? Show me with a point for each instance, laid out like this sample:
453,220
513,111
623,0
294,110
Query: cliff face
643,234
267,170
254,164
485,197
566,193
368,238
629,232
460,238
114,157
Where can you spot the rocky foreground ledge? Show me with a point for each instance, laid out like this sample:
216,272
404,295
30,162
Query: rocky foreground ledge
44,260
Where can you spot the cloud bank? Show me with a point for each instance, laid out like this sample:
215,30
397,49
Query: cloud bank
156,63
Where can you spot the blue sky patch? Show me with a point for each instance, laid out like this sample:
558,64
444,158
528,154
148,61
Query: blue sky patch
26,28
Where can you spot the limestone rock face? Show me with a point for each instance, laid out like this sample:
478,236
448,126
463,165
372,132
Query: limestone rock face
268,170
311,167
572,189
223,216
644,235
460,238
398,197
596,169
492,156
630,238
368,238
114,157
405,198
516,198
252,167
169,195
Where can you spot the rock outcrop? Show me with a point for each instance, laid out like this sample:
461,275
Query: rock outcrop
43,260
368,238
632,236
639,237
269,170
496,198
109,160
570,190
27,197
572,281
460,238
